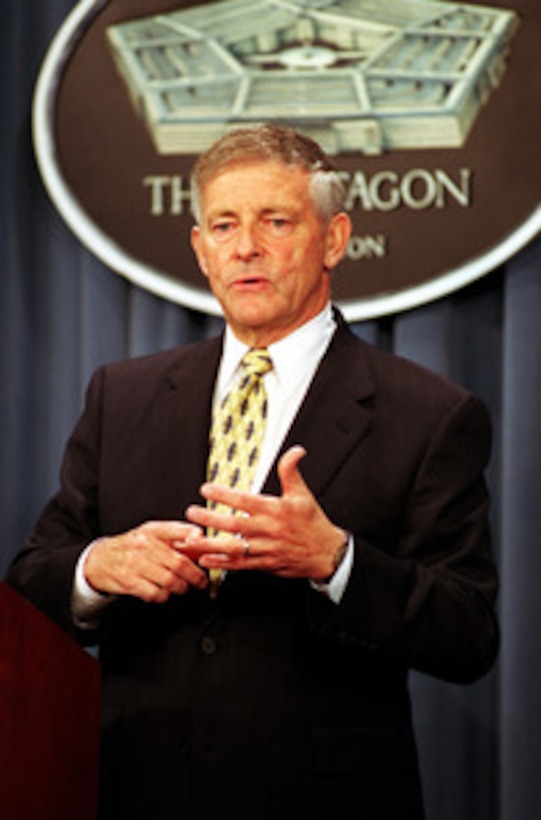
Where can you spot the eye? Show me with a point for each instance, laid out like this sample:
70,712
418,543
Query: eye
222,228
279,225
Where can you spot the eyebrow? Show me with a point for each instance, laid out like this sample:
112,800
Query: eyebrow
268,210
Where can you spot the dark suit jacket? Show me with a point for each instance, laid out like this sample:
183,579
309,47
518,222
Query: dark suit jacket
273,702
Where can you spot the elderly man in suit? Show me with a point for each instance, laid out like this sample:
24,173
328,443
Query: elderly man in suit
256,638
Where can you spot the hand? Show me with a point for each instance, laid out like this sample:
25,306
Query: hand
288,535
148,562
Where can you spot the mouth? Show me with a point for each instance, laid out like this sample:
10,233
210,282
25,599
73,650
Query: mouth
249,283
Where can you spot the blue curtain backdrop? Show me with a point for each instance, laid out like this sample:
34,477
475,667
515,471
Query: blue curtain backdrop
62,314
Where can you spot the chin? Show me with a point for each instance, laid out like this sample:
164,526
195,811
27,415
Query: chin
252,312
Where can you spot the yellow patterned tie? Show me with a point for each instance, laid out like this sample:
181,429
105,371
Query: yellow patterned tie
238,428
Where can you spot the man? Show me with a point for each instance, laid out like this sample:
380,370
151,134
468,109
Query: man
359,550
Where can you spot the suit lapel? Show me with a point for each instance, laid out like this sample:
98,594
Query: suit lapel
335,415
181,420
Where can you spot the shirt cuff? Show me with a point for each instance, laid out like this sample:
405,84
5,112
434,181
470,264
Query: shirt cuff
87,604
334,589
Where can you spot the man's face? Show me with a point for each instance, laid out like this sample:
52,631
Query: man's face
264,249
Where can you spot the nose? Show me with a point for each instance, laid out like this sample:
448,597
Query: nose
247,242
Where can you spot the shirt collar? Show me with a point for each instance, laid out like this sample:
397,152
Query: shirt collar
291,356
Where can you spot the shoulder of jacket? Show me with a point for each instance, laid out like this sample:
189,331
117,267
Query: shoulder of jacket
162,361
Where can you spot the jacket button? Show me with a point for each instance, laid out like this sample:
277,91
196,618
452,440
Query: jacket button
209,646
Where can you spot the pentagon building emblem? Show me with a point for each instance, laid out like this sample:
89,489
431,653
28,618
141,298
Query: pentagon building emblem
365,77
430,109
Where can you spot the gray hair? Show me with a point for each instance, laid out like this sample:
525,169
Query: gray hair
272,142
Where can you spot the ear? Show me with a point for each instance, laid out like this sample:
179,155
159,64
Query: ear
338,234
197,245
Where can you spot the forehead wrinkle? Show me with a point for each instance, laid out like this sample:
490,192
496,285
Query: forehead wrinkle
230,193
287,209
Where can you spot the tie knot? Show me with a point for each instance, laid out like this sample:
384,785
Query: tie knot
257,362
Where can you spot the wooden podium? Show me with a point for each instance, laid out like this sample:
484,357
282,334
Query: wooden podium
49,718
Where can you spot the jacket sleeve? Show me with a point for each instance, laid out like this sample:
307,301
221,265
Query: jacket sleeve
428,603
44,569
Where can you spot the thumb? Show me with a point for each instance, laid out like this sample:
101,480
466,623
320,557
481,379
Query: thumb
288,470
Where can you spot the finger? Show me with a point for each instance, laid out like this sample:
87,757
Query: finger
225,544
186,571
289,474
170,532
241,501
217,519
236,557
146,591
208,518
222,550
156,539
